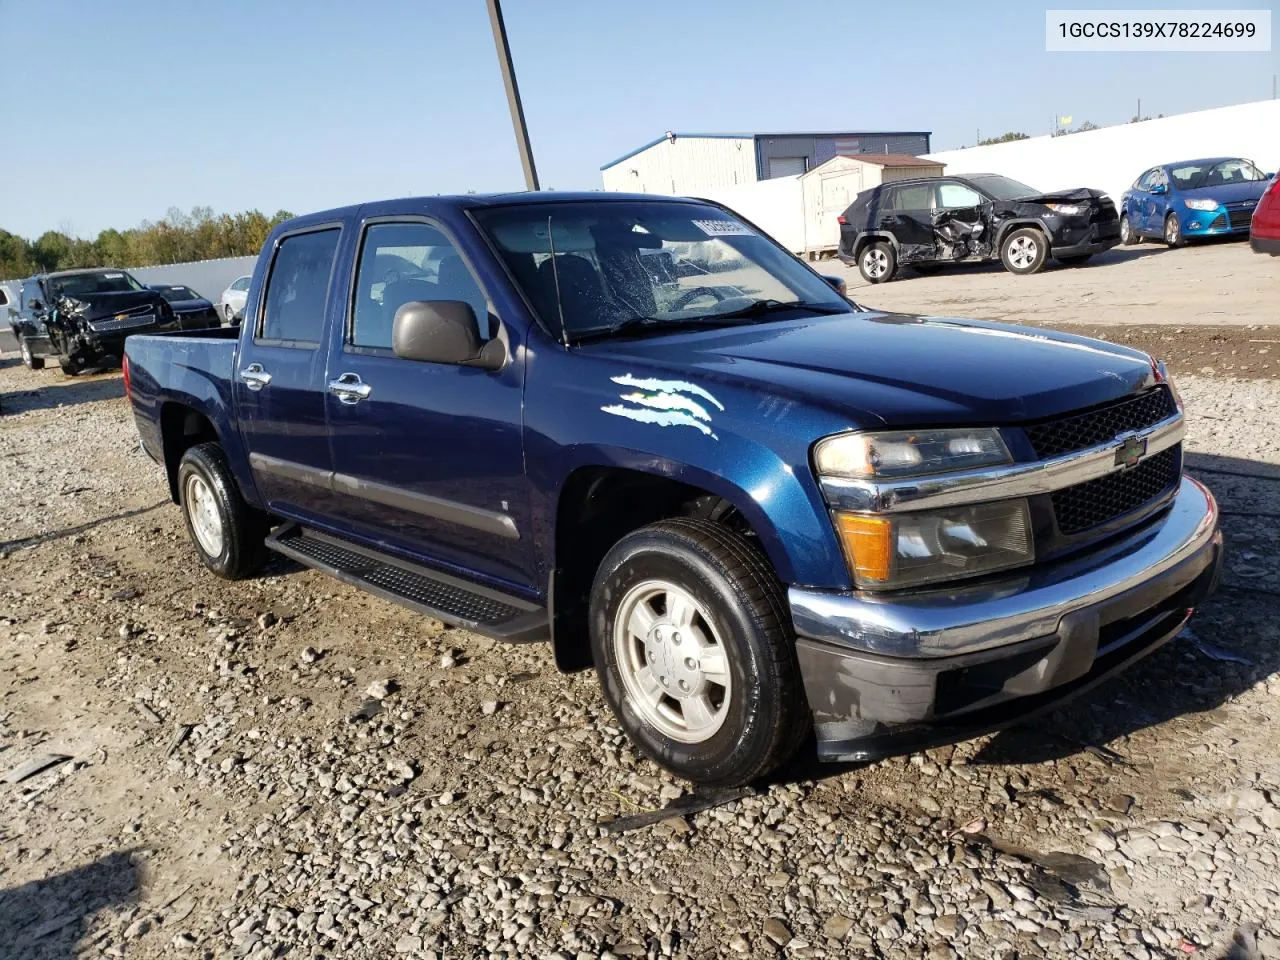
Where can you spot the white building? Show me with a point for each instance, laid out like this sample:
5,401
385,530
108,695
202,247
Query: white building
692,163
1111,158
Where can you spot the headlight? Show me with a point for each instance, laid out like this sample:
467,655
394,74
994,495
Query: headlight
1196,204
908,453
913,548
1068,209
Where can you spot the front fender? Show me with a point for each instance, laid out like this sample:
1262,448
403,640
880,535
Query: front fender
752,450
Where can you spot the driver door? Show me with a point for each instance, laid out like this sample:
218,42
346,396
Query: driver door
428,458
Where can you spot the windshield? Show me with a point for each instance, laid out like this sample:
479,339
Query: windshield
1002,188
663,263
81,284
178,294
1191,176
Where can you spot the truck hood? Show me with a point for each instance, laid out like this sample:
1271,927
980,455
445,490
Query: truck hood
105,306
899,370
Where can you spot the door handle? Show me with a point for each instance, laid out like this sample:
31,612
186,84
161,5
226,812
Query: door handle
254,377
349,388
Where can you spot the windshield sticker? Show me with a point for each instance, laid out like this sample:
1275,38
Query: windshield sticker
113,276
666,403
722,228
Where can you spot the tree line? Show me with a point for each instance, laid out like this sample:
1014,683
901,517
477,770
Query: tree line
177,238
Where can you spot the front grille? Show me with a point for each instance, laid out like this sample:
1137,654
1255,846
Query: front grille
127,323
1100,501
1057,437
1217,223
1105,212
1240,218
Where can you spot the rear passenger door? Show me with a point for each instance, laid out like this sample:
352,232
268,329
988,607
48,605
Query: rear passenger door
428,457
907,213
279,382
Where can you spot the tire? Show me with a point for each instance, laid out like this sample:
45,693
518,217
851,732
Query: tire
735,711
1024,251
1173,232
1076,260
29,361
69,367
1128,235
229,314
227,533
877,262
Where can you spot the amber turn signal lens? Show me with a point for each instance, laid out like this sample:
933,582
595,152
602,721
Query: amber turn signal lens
868,545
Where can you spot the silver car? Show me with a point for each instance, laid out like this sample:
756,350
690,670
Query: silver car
231,303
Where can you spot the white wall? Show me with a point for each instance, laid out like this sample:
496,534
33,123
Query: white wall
775,206
688,165
1112,158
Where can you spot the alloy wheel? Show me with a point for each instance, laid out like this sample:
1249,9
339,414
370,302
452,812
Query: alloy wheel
672,662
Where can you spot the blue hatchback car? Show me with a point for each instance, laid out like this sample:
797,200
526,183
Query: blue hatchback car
1180,201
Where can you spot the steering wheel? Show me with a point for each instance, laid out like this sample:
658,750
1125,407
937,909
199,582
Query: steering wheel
689,296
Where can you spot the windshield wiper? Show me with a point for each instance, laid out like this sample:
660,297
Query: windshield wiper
651,325
760,308
748,313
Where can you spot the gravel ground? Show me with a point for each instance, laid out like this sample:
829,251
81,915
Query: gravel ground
285,765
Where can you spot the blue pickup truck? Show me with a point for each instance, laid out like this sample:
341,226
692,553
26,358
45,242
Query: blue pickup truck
639,428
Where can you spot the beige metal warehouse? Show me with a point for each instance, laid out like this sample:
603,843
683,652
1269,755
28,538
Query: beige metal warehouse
828,189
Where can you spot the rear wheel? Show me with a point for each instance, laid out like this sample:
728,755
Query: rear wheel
1173,231
1024,251
696,654
29,360
228,534
229,314
877,263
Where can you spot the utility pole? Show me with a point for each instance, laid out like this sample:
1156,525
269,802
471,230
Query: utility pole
513,94
1139,108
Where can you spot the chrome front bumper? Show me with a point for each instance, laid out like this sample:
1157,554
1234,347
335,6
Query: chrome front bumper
869,661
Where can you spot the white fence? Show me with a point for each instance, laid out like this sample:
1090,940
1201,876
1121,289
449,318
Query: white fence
1112,158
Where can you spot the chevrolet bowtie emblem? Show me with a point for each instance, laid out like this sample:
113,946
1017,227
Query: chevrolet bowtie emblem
1131,451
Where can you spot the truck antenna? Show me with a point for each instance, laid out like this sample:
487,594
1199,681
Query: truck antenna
555,278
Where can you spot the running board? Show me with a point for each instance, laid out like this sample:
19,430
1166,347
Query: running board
429,592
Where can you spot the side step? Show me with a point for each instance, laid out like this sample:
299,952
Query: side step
430,592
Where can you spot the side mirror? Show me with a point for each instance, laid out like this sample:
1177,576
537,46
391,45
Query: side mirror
836,283
1159,188
443,331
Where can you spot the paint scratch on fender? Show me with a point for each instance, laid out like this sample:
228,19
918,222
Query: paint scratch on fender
664,403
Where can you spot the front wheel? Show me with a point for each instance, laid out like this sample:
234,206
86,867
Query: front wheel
1128,235
1173,231
29,360
696,654
228,534
877,263
1024,251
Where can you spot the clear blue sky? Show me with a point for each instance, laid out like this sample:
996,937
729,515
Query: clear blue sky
114,112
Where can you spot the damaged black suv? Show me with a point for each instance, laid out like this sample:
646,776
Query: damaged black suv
932,221
81,317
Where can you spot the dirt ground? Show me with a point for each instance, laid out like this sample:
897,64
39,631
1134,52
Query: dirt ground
285,766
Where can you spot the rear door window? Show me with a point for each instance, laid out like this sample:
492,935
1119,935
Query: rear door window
913,196
298,287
